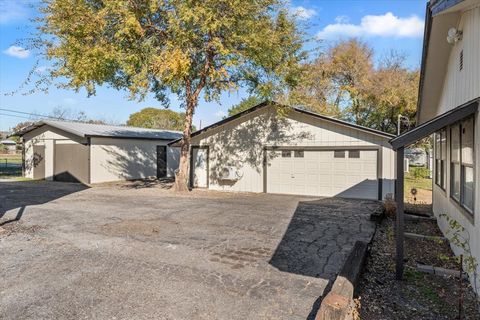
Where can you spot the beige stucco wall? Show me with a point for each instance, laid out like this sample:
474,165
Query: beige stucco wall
460,87
241,143
125,159
46,136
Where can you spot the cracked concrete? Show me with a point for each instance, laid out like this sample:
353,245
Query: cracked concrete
114,253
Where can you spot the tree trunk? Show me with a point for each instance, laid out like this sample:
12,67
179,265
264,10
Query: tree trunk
181,177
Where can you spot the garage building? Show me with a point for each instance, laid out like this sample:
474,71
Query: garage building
94,153
276,149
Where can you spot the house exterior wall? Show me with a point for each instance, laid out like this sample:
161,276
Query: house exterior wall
241,142
45,136
461,86
113,159
444,204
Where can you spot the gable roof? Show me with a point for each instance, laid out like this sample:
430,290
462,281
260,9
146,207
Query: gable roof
295,109
85,130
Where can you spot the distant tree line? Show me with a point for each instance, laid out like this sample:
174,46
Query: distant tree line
345,82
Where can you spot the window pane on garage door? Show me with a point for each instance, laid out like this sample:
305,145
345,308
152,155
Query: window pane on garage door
320,173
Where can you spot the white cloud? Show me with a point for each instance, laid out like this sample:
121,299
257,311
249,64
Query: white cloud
12,10
387,25
303,13
342,19
17,52
220,114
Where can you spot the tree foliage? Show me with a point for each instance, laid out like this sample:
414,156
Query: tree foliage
186,47
245,104
157,119
344,82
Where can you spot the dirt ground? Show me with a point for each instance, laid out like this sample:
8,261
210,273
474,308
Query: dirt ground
419,296
139,251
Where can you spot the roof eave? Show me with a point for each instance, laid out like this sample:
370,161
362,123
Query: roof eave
435,124
267,103
426,40
443,5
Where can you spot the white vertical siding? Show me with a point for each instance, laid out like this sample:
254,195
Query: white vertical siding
461,86
241,143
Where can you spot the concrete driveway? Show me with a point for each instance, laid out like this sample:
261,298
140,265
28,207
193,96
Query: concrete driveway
70,252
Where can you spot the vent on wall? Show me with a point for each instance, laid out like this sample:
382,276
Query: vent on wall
461,60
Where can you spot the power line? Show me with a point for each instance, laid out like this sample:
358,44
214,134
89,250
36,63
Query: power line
14,115
29,113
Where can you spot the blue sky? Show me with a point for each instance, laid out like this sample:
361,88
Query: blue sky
384,24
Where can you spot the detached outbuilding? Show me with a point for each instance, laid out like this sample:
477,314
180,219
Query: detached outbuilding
94,153
10,146
276,149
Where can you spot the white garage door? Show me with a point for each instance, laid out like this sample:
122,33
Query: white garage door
342,173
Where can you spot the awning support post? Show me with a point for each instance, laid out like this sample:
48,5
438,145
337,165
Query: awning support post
399,221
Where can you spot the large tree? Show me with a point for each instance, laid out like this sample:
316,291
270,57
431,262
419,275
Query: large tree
344,81
194,49
243,105
155,118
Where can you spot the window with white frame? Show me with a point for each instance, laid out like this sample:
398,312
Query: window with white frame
440,158
462,181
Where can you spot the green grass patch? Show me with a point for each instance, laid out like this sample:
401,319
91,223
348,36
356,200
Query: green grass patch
412,275
418,183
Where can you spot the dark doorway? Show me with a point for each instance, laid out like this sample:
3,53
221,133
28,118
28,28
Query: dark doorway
161,161
38,162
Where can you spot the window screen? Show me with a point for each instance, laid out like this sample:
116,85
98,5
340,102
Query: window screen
286,153
298,154
462,150
440,158
467,174
339,154
354,154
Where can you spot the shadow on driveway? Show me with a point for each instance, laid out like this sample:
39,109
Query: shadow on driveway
20,194
321,234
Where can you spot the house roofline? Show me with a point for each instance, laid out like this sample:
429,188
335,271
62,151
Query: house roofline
426,41
309,113
438,6
77,133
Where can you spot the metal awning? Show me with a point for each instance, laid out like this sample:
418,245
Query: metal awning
399,143
435,124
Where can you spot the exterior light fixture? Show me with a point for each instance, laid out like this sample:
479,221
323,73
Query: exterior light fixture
454,35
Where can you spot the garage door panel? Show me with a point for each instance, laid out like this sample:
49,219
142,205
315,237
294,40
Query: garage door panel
319,173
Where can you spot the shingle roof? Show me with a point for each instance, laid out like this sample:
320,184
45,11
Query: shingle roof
100,130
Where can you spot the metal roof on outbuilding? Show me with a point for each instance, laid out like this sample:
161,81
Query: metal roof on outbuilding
101,130
8,142
265,104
